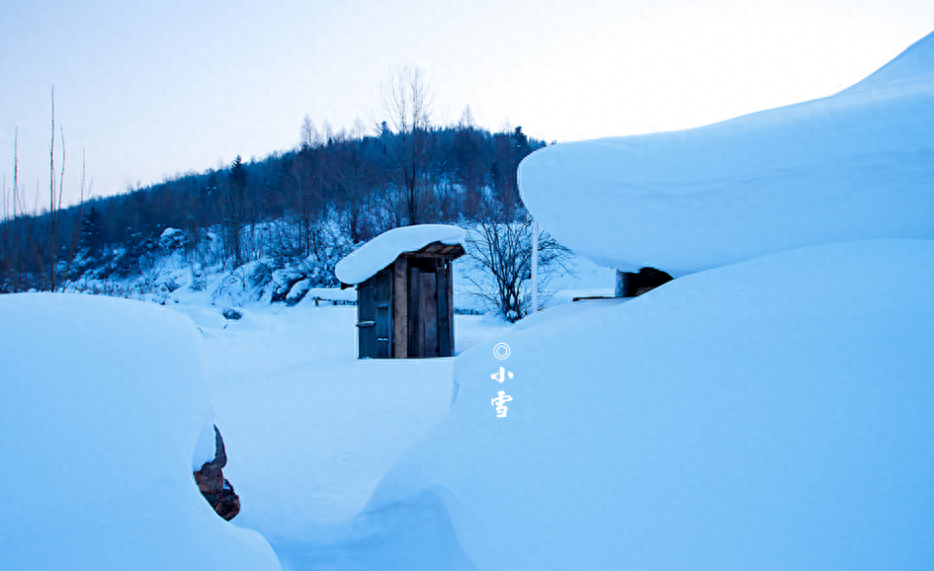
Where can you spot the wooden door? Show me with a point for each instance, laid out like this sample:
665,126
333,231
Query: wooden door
428,307
374,316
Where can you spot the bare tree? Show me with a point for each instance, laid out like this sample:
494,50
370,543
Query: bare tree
407,101
502,251
47,253
9,246
310,137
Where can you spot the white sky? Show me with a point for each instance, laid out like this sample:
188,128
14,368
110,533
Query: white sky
151,89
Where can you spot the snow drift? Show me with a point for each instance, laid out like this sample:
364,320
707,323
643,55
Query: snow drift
857,165
773,414
101,405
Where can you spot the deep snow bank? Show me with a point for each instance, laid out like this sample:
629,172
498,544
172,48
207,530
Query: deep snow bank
772,414
101,404
853,166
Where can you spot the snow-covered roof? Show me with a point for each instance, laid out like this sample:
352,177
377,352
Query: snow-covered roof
381,251
856,165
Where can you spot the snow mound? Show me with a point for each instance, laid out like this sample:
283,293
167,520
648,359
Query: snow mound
101,405
381,251
772,414
857,165
912,67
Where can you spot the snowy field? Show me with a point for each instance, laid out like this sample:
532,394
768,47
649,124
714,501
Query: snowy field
309,428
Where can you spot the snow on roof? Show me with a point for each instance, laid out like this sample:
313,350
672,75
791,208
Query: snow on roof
856,165
381,251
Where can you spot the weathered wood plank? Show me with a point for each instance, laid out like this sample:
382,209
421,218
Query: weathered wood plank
383,313
416,339
448,253
366,313
400,310
429,300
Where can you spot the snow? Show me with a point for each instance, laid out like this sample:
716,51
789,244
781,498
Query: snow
772,414
310,429
298,291
101,404
771,410
205,447
330,294
385,248
853,166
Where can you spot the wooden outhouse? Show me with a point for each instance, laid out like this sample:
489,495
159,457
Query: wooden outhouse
405,309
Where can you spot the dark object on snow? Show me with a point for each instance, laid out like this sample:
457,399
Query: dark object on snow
214,487
406,310
232,314
629,284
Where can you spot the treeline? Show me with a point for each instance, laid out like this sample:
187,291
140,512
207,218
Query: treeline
335,190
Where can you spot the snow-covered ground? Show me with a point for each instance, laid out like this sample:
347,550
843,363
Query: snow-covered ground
101,403
773,414
772,410
309,428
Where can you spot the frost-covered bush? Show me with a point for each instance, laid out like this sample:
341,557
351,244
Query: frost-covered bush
501,255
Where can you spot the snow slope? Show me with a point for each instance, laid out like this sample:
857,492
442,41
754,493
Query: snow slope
379,252
101,404
853,166
773,414
309,428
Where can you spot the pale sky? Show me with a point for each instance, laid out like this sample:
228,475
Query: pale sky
152,89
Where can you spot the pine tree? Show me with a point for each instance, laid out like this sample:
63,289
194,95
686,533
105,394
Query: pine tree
92,232
235,210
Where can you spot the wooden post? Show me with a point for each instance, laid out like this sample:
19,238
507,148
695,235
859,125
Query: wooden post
534,267
450,312
400,309
444,309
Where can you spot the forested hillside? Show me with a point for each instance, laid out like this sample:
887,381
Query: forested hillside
295,212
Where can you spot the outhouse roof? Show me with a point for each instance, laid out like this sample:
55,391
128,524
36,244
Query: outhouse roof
382,250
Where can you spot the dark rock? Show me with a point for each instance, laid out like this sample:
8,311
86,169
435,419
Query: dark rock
232,314
216,489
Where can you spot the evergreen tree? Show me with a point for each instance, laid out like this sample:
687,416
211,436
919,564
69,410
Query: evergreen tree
92,232
235,210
